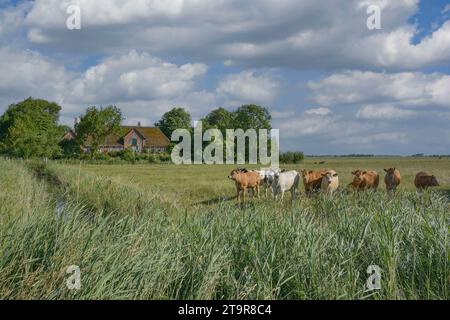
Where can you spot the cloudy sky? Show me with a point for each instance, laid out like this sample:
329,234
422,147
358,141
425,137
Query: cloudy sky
332,85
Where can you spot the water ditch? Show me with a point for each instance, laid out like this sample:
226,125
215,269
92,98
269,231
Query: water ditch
57,189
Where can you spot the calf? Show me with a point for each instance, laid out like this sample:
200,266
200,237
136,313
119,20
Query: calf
365,180
245,180
330,182
392,179
285,181
312,180
425,181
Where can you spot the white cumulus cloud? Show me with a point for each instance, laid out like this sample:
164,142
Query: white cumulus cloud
318,111
249,87
300,34
384,112
408,89
135,76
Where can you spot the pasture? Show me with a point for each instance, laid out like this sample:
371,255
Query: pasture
191,185
175,232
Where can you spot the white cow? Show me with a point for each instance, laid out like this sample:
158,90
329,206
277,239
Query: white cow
330,182
267,177
285,181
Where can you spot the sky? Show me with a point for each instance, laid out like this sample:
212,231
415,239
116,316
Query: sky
332,85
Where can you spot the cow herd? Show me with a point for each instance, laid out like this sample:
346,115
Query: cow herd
278,181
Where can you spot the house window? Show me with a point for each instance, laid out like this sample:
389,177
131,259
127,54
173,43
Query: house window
134,142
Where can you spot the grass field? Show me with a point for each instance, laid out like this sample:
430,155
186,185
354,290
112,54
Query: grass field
167,232
193,184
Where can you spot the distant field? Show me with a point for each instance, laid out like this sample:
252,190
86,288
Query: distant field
193,184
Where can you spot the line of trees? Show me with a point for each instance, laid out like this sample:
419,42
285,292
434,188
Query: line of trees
30,129
245,117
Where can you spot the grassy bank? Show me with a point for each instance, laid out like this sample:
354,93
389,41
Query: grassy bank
138,242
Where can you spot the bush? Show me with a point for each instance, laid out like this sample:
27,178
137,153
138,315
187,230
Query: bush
119,157
292,157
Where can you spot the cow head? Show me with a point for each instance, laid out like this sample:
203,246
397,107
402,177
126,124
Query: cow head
358,179
329,176
305,175
262,174
434,182
357,173
391,183
233,175
269,177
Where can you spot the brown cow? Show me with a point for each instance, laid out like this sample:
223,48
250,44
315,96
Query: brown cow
365,180
313,180
425,181
245,180
392,179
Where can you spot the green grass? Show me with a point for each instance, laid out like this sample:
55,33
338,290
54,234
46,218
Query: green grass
154,232
195,184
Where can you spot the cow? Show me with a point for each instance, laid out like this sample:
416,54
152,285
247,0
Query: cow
285,181
312,180
365,180
245,180
330,182
425,181
392,179
267,178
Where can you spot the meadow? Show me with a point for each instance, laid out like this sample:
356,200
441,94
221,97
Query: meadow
191,185
175,232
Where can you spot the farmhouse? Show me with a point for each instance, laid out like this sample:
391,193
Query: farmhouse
136,138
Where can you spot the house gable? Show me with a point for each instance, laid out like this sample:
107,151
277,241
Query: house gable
154,137
134,140
69,135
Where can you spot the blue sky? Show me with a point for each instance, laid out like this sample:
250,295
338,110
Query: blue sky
429,17
332,85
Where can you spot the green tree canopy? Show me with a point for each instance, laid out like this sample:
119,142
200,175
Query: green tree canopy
177,118
30,129
96,124
220,119
252,117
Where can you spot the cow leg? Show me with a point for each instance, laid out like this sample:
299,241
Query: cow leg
308,192
245,191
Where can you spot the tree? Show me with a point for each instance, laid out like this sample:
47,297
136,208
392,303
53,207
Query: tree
220,119
70,147
177,118
252,117
30,129
96,125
